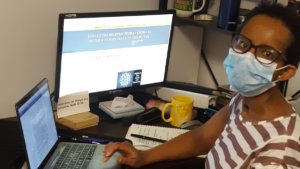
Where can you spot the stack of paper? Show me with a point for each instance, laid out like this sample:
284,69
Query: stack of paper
163,133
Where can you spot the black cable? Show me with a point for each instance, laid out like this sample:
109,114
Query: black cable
155,92
209,68
296,95
285,87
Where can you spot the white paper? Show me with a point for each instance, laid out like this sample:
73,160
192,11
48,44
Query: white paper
121,102
164,133
73,104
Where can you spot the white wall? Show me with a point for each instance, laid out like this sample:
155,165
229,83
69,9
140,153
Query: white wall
185,60
28,35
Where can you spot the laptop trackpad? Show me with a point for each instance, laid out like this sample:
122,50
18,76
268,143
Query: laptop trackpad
97,162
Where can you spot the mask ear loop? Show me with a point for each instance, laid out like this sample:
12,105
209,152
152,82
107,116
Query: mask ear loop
279,76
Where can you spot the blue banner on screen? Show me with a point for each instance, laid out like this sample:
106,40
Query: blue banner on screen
92,40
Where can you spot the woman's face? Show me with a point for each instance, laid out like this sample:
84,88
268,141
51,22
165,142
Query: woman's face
265,30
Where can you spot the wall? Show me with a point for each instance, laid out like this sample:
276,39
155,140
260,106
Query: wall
28,41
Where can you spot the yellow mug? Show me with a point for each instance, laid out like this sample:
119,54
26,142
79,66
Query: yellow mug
181,110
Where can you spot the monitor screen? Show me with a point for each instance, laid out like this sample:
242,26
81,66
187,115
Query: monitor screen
112,52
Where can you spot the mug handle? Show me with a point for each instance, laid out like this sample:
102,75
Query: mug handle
163,112
201,7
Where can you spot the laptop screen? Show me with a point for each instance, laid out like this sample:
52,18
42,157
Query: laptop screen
37,122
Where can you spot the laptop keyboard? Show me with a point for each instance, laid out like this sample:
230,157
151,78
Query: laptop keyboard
75,156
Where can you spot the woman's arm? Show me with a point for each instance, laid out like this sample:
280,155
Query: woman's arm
192,143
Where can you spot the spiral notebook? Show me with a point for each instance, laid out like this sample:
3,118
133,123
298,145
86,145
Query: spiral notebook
163,133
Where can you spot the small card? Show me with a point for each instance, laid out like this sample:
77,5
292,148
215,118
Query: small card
73,104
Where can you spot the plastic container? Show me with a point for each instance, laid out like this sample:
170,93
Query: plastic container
228,14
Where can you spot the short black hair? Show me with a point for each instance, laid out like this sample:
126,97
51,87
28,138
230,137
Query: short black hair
291,20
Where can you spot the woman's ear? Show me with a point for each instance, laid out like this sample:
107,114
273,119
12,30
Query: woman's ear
287,73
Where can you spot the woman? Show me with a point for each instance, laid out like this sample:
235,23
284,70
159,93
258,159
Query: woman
259,128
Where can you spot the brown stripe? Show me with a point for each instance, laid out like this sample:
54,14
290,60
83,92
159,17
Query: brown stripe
237,120
247,161
279,127
263,132
228,129
237,111
216,158
237,147
238,99
291,125
207,166
291,161
247,136
293,145
221,137
236,104
287,161
274,146
266,160
227,155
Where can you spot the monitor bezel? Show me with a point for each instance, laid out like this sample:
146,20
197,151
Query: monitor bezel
96,95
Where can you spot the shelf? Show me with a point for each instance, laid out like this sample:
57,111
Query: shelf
211,25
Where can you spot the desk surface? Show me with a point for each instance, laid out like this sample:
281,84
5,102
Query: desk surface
11,145
109,128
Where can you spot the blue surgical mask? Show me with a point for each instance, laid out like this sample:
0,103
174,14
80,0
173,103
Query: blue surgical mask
247,76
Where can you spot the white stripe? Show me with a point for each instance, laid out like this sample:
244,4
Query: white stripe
296,132
271,129
242,142
254,134
233,154
211,160
221,154
260,166
293,153
273,153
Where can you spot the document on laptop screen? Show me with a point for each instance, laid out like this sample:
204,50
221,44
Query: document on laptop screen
38,125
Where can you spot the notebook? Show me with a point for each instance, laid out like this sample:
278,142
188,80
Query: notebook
42,145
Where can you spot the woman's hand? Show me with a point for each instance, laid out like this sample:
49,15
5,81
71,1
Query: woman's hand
129,155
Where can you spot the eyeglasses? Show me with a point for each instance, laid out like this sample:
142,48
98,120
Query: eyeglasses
263,53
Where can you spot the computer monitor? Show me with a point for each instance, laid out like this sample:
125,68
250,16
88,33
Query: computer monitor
112,52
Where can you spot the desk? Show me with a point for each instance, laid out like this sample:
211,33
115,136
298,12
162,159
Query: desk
12,149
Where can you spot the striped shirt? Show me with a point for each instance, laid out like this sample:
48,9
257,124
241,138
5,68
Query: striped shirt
262,145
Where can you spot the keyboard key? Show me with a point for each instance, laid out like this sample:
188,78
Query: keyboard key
77,156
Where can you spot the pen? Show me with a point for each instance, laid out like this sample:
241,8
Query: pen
94,140
148,138
86,139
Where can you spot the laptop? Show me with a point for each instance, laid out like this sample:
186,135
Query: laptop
42,145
